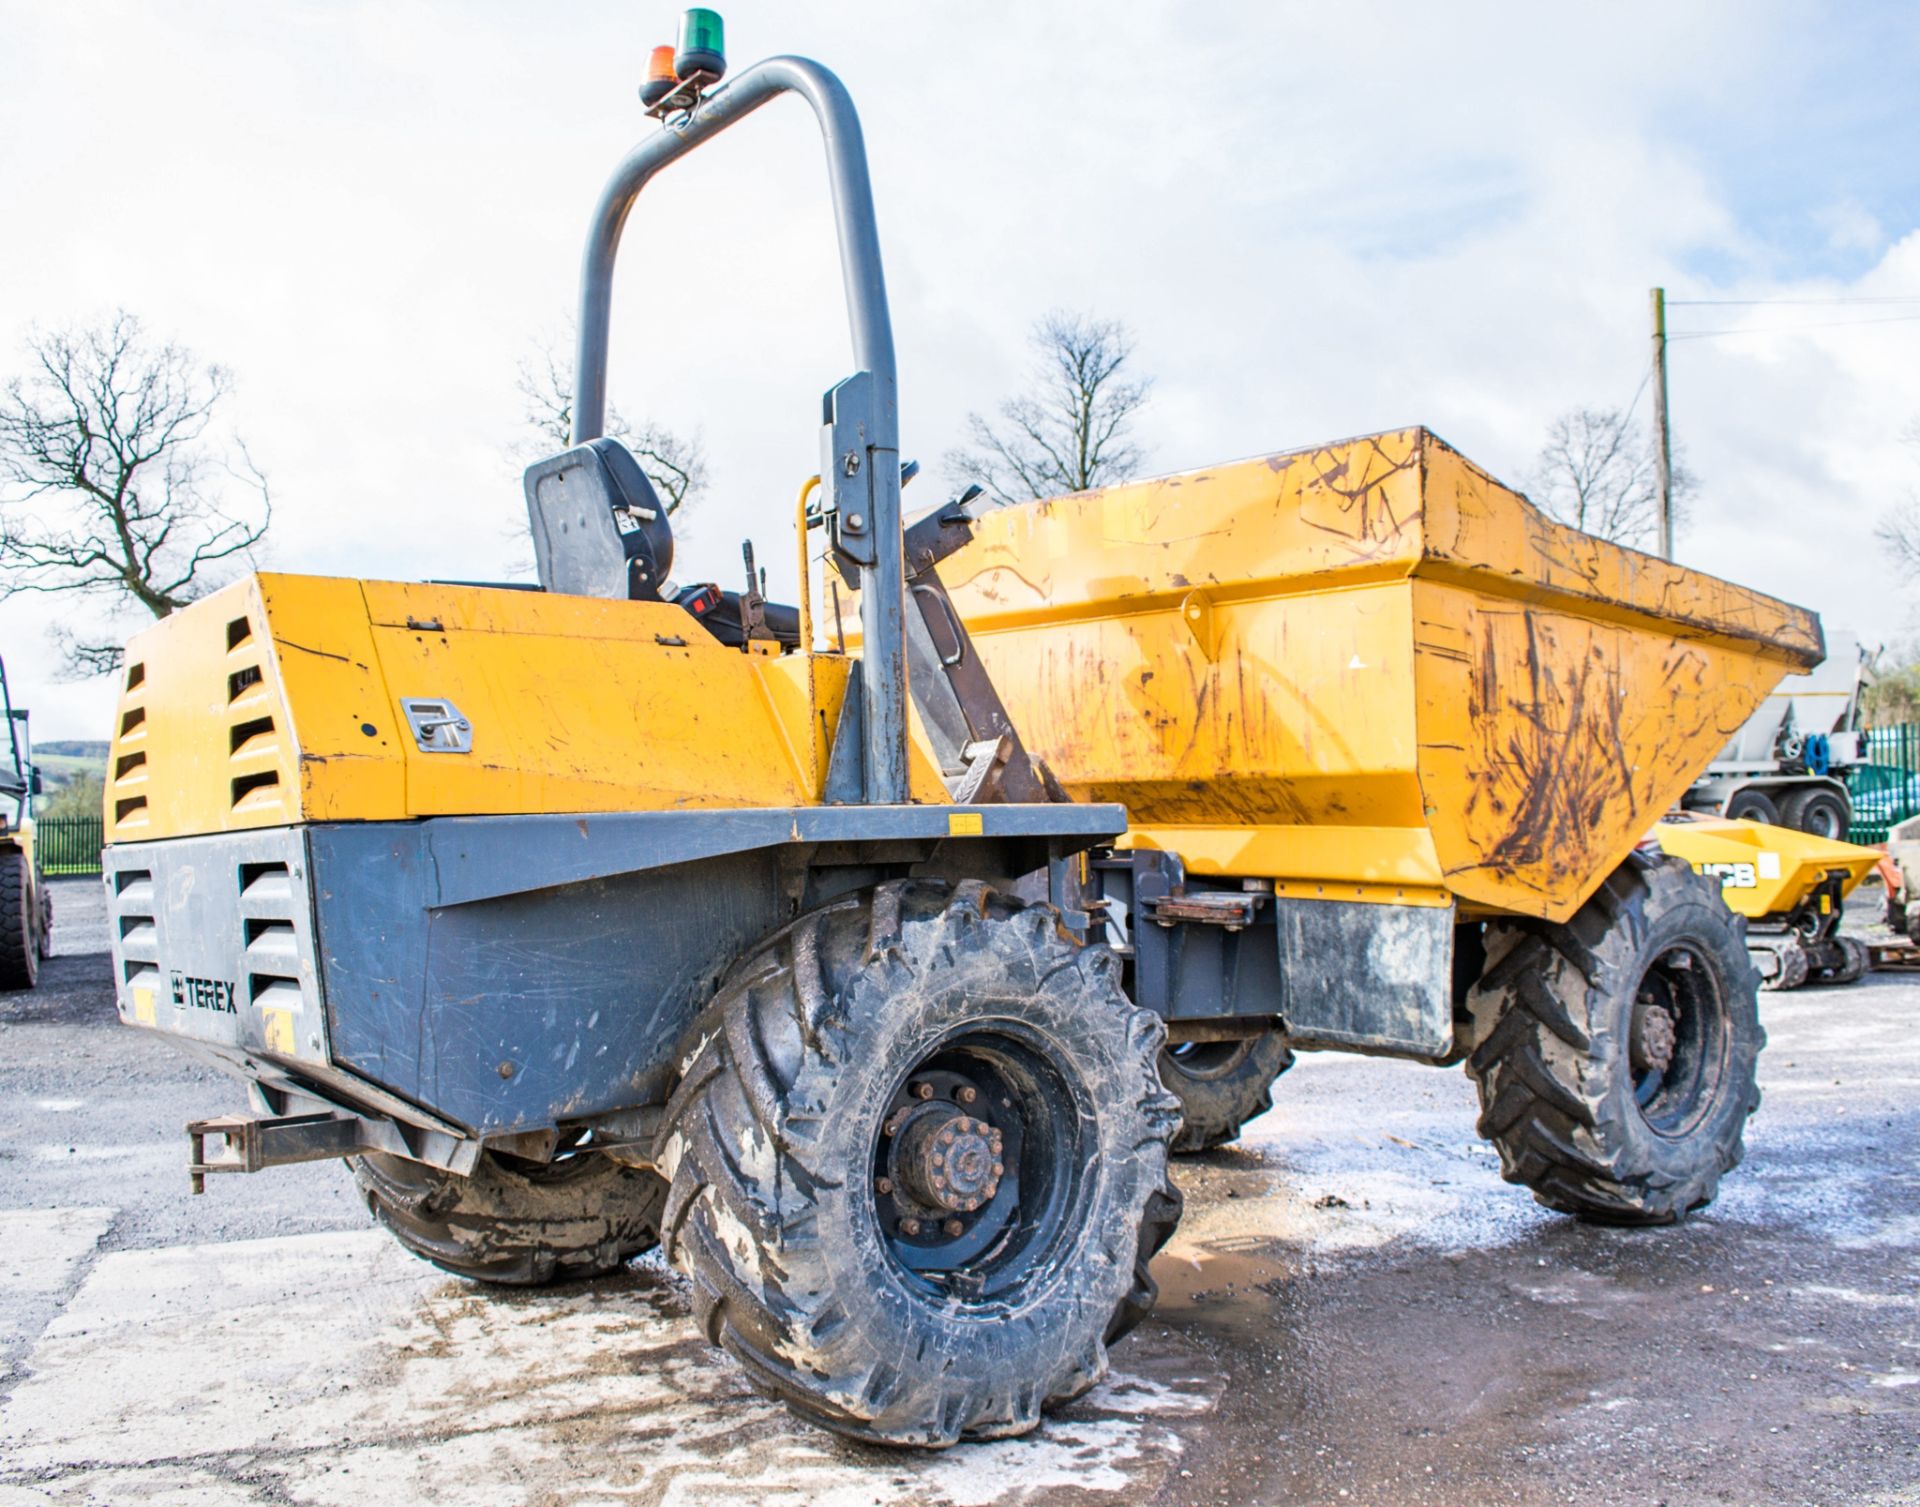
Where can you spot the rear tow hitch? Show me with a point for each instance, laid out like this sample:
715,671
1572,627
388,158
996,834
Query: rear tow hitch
248,1143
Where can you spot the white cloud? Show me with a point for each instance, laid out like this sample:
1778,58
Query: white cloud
1320,221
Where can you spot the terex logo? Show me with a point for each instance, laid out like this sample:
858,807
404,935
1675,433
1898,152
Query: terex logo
204,994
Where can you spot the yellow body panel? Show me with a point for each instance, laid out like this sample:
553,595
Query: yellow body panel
277,700
1365,671
1765,872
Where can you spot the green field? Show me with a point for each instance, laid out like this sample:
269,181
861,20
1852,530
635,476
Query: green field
61,768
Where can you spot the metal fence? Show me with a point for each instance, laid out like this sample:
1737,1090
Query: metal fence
1886,788
68,844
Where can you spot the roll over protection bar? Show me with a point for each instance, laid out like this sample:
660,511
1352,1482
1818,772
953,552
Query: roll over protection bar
860,459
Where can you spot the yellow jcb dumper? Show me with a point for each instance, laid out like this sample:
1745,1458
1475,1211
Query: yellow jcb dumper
1791,886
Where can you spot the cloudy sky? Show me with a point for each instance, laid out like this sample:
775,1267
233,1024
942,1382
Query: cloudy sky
1319,220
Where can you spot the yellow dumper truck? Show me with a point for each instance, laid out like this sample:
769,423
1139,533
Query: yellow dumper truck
619,913
1791,886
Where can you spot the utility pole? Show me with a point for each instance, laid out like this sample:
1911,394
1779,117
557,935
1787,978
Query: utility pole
1662,437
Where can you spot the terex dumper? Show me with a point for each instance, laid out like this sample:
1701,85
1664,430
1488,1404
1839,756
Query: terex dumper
616,914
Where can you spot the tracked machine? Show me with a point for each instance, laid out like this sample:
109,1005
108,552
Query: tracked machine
614,914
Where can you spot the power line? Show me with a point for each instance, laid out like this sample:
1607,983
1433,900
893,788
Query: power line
1750,303
1634,402
1790,329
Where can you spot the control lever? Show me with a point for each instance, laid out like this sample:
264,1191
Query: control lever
753,601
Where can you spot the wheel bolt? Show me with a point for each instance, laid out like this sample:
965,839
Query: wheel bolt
909,1227
946,1138
972,1204
953,1227
999,1170
923,1090
883,1185
967,1095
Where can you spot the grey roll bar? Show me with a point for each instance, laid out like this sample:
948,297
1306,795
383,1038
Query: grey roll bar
860,461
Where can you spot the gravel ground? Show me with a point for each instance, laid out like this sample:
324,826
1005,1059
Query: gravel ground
1356,1310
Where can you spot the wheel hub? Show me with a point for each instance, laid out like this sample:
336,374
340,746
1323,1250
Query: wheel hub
951,1160
1654,1037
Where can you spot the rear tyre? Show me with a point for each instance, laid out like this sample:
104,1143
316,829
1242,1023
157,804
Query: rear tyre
1221,1085
1616,1052
21,943
1822,813
1754,806
514,1222
918,1160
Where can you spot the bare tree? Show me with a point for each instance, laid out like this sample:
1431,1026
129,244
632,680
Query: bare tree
115,482
1892,690
1898,530
1596,472
1073,428
675,464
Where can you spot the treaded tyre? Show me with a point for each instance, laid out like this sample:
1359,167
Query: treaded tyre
918,1158
21,944
517,1223
1616,1052
1754,806
1819,811
1221,1085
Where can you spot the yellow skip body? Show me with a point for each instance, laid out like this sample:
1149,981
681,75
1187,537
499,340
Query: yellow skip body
1366,672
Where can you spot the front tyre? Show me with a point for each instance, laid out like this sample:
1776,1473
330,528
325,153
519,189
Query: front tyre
23,941
1617,1052
918,1162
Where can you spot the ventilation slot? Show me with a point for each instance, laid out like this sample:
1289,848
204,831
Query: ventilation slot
136,676
130,811
139,939
126,765
242,681
133,717
249,790
238,632
245,732
273,952
266,884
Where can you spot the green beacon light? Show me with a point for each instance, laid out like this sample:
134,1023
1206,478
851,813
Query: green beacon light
703,44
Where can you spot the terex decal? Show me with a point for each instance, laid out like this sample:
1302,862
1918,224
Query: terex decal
204,994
